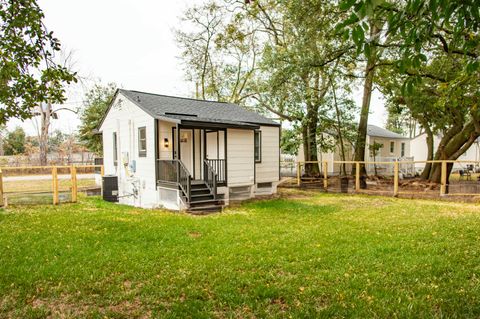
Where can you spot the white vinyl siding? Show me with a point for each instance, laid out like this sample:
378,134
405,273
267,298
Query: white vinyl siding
267,170
240,159
125,118
165,132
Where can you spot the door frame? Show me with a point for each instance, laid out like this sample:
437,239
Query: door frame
175,150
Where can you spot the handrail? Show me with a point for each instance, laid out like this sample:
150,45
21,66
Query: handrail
175,172
218,165
211,177
184,179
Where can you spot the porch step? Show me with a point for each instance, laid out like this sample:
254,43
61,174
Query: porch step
206,202
205,210
206,206
200,191
200,197
199,186
202,201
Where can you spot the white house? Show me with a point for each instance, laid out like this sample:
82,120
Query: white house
418,147
182,153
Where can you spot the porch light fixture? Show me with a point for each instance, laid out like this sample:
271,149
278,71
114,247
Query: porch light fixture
166,144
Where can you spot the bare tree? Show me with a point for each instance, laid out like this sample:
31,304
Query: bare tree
45,112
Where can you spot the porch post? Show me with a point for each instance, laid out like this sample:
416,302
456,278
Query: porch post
178,153
178,141
157,153
225,154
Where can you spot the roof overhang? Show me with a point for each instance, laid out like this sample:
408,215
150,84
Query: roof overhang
207,124
390,137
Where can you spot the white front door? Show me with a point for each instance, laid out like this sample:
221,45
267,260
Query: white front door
186,149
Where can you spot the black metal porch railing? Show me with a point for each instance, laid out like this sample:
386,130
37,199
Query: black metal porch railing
218,165
211,178
174,172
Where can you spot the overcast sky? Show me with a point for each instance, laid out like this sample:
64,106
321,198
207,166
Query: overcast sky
130,43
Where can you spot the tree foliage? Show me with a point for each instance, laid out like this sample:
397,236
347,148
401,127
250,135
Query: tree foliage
273,56
416,29
14,142
95,105
446,107
28,72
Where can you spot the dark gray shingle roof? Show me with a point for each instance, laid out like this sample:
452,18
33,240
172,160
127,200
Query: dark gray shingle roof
373,130
191,109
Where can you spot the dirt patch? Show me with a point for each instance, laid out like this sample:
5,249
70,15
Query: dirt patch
194,234
60,308
64,308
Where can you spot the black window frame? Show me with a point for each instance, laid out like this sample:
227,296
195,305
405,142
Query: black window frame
392,147
142,152
402,149
115,149
259,133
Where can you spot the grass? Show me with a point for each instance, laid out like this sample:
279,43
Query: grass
306,255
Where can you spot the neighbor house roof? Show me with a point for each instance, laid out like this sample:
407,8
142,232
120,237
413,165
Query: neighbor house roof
376,131
193,111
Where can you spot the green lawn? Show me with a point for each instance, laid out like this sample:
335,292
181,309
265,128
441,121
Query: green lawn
308,255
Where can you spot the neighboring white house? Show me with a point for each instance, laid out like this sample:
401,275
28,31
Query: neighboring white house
419,150
394,147
182,153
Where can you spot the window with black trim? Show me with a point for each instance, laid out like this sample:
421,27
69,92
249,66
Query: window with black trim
142,141
392,147
403,150
258,146
115,149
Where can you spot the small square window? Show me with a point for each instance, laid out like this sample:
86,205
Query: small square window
142,141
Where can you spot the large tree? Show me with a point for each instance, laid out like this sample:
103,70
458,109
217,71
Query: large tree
444,104
28,73
276,56
219,52
95,104
413,32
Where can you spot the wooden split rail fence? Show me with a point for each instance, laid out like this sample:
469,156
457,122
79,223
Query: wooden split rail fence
54,173
323,165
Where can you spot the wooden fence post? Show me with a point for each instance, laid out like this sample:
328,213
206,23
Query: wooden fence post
357,176
299,173
73,173
102,170
395,179
55,185
443,180
325,175
2,202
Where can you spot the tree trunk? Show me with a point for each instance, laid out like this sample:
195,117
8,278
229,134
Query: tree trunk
428,166
367,95
43,138
451,147
343,168
310,150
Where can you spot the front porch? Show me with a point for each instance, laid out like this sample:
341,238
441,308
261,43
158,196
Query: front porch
191,158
